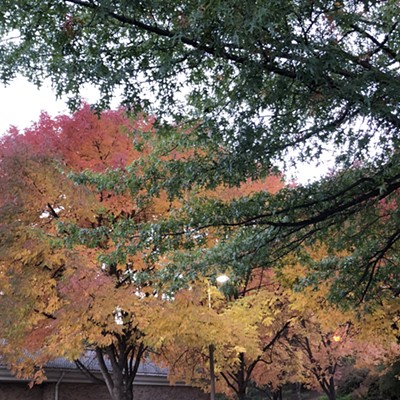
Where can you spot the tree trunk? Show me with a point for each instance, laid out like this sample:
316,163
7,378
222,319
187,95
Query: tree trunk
242,396
277,394
329,388
122,393
331,396
298,391
124,360
241,381
332,391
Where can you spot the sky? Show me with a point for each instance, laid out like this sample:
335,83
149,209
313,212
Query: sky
21,104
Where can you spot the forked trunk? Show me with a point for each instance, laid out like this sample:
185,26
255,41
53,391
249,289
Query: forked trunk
124,362
329,388
122,393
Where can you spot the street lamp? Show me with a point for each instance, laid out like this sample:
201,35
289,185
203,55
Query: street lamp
337,338
221,279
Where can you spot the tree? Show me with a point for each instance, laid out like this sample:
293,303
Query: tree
58,299
262,79
67,285
330,341
267,334
69,280
244,324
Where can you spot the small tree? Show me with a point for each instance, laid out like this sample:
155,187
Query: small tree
326,338
61,292
245,330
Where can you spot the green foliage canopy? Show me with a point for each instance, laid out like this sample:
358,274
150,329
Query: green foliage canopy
259,78
265,76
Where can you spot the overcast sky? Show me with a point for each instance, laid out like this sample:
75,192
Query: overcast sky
21,104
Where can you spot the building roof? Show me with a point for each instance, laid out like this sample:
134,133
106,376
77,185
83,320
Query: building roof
148,373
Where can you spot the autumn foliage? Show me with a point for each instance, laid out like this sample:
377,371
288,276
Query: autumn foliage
58,299
81,268
66,286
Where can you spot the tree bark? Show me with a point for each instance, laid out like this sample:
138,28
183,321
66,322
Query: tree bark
124,358
122,393
242,382
298,391
277,394
332,391
329,387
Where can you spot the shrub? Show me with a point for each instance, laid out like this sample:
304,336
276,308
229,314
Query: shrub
351,381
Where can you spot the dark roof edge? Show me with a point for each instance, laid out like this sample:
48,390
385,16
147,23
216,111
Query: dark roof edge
75,376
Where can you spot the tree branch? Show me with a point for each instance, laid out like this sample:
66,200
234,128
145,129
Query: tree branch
86,371
104,370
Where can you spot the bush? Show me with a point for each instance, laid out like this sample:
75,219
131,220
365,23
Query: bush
389,384
353,379
385,387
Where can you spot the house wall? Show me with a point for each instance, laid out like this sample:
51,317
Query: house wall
89,391
20,391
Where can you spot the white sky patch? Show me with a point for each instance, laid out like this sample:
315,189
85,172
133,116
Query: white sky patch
304,173
46,214
118,317
21,104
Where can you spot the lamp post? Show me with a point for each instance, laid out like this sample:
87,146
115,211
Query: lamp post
221,280
212,372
